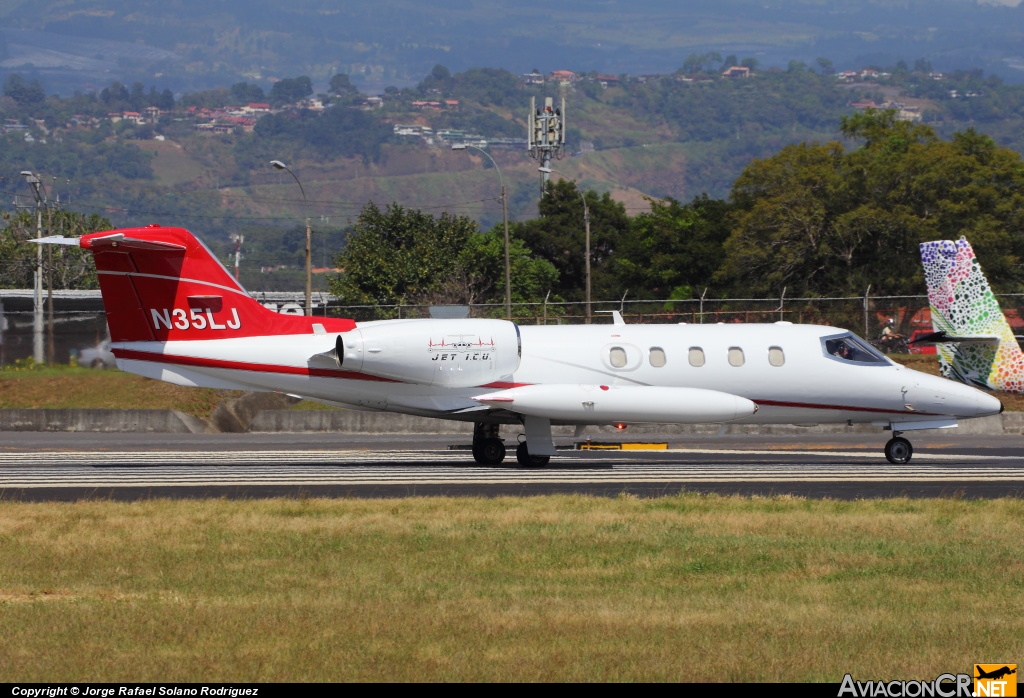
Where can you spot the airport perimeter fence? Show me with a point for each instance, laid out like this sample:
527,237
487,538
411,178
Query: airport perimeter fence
79,331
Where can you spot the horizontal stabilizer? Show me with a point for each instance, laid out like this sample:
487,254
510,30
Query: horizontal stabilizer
56,240
120,240
942,337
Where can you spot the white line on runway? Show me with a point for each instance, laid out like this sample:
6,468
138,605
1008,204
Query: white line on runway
412,468
365,455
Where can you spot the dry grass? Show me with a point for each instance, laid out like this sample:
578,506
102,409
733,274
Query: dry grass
87,388
542,588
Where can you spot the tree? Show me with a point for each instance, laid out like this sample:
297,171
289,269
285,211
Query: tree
246,93
558,236
399,255
751,63
484,258
290,90
672,251
115,95
72,267
819,220
407,256
25,93
440,73
340,85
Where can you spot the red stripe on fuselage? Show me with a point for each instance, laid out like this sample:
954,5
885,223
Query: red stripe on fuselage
842,408
246,366
505,385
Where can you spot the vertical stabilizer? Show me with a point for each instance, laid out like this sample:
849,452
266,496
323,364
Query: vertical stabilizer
162,284
963,305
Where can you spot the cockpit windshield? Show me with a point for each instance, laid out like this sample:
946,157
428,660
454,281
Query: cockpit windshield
850,347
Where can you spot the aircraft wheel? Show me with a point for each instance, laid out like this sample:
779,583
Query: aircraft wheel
898,450
528,461
489,451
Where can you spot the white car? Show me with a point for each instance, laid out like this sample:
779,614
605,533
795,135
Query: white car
98,356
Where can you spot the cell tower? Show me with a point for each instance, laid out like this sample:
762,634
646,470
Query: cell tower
546,137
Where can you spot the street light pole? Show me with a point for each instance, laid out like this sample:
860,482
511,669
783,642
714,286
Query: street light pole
37,304
278,165
504,216
586,227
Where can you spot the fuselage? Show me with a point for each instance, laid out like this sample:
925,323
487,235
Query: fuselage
794,373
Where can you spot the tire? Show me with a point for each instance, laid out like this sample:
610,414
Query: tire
528,461
98,363
489,451
898,451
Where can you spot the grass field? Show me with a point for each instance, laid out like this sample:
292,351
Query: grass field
692,588
87,388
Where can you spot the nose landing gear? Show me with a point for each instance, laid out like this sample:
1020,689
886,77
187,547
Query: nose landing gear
898,450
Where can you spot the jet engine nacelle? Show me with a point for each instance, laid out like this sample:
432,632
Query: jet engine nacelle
444,353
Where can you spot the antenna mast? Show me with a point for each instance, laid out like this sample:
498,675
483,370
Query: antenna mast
546,135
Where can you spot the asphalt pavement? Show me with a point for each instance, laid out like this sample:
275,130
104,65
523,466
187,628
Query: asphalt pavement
70,466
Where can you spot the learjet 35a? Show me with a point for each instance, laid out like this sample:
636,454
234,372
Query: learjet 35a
177,315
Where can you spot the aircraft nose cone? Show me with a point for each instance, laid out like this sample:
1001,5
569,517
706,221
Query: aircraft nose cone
943,396
988,405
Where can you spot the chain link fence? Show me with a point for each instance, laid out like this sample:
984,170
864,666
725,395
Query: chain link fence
78,329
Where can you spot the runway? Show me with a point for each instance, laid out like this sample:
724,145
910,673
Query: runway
39,467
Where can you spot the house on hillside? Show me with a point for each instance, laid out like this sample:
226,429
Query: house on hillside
737,71
565,77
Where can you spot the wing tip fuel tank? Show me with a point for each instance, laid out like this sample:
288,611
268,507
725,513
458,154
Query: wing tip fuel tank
601,403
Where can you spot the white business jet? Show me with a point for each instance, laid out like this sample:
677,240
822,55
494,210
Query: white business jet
177,315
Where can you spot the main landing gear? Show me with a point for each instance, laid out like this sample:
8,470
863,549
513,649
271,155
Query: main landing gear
898,450
488,449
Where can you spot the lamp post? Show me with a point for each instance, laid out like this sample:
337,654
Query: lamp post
278,165
504,215
37,305
586,226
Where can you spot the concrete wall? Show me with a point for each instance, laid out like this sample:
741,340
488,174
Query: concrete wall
246,418
167,421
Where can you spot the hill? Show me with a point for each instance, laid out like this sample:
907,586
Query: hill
188,44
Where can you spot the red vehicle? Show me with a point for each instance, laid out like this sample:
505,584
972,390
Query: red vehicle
920,348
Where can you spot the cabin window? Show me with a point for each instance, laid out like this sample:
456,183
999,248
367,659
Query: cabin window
851,348
657,357
617,357
776,357
735,356
696,356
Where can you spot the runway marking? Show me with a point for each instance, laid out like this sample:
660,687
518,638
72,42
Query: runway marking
92,469
355,455
841,454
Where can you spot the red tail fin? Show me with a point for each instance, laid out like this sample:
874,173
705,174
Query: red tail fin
163,284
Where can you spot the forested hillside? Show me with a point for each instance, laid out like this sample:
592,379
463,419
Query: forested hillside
136,155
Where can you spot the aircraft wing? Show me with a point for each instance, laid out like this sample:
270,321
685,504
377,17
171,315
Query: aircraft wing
603,404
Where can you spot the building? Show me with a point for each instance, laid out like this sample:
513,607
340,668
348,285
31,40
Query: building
737,71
